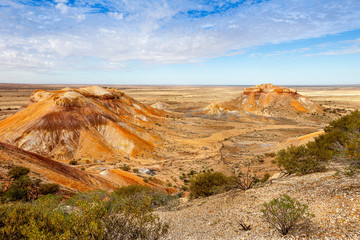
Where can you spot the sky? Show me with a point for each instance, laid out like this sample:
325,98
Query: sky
180,42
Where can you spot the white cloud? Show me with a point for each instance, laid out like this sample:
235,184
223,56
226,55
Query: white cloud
62,7
160,31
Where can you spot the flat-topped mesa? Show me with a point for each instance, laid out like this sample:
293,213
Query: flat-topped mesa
268,87
270,100
265,100
87,123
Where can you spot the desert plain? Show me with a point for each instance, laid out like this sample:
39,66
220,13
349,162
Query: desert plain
195,142
190,142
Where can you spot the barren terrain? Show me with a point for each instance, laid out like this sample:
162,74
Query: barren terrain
200,143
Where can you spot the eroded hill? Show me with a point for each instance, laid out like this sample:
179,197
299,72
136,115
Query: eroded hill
265,100
87,123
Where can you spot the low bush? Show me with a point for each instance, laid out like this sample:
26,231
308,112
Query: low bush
285,213
73,162
19,189
247,179
49,188
17,171
340,141
208,183
157,198
125,167
93,215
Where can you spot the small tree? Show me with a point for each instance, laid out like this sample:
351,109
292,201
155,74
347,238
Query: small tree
285,213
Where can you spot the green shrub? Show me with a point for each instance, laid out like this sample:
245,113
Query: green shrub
73,162
49,188
135,192
208,183
19,189
271,154
125,167
285,213
299,160
93,215
18,171
341,139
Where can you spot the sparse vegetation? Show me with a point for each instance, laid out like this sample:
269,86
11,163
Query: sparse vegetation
93,215
157,198
285,213
20,187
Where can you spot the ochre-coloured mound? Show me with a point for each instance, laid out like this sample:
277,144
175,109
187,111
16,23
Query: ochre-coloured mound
265,100
53,171
87,123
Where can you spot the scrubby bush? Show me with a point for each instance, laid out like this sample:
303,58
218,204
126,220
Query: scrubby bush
208,183
73,162
285,213
271,154
93,215
298,160
157,198
341,140
49,188
247,179
19,189
18,171
125,167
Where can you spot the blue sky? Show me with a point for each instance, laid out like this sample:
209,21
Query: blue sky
235,42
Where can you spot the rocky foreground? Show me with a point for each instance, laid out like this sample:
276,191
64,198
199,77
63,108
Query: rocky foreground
334,199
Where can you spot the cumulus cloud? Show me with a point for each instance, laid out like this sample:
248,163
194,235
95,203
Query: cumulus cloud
54,35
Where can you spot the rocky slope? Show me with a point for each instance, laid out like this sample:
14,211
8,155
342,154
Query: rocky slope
333,198
91,124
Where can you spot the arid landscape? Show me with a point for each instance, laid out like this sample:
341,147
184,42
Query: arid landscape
86,138
193,119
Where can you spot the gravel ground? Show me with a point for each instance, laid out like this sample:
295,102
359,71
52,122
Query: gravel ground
335,201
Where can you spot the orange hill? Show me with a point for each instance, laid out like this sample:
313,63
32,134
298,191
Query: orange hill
266,100
88,123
